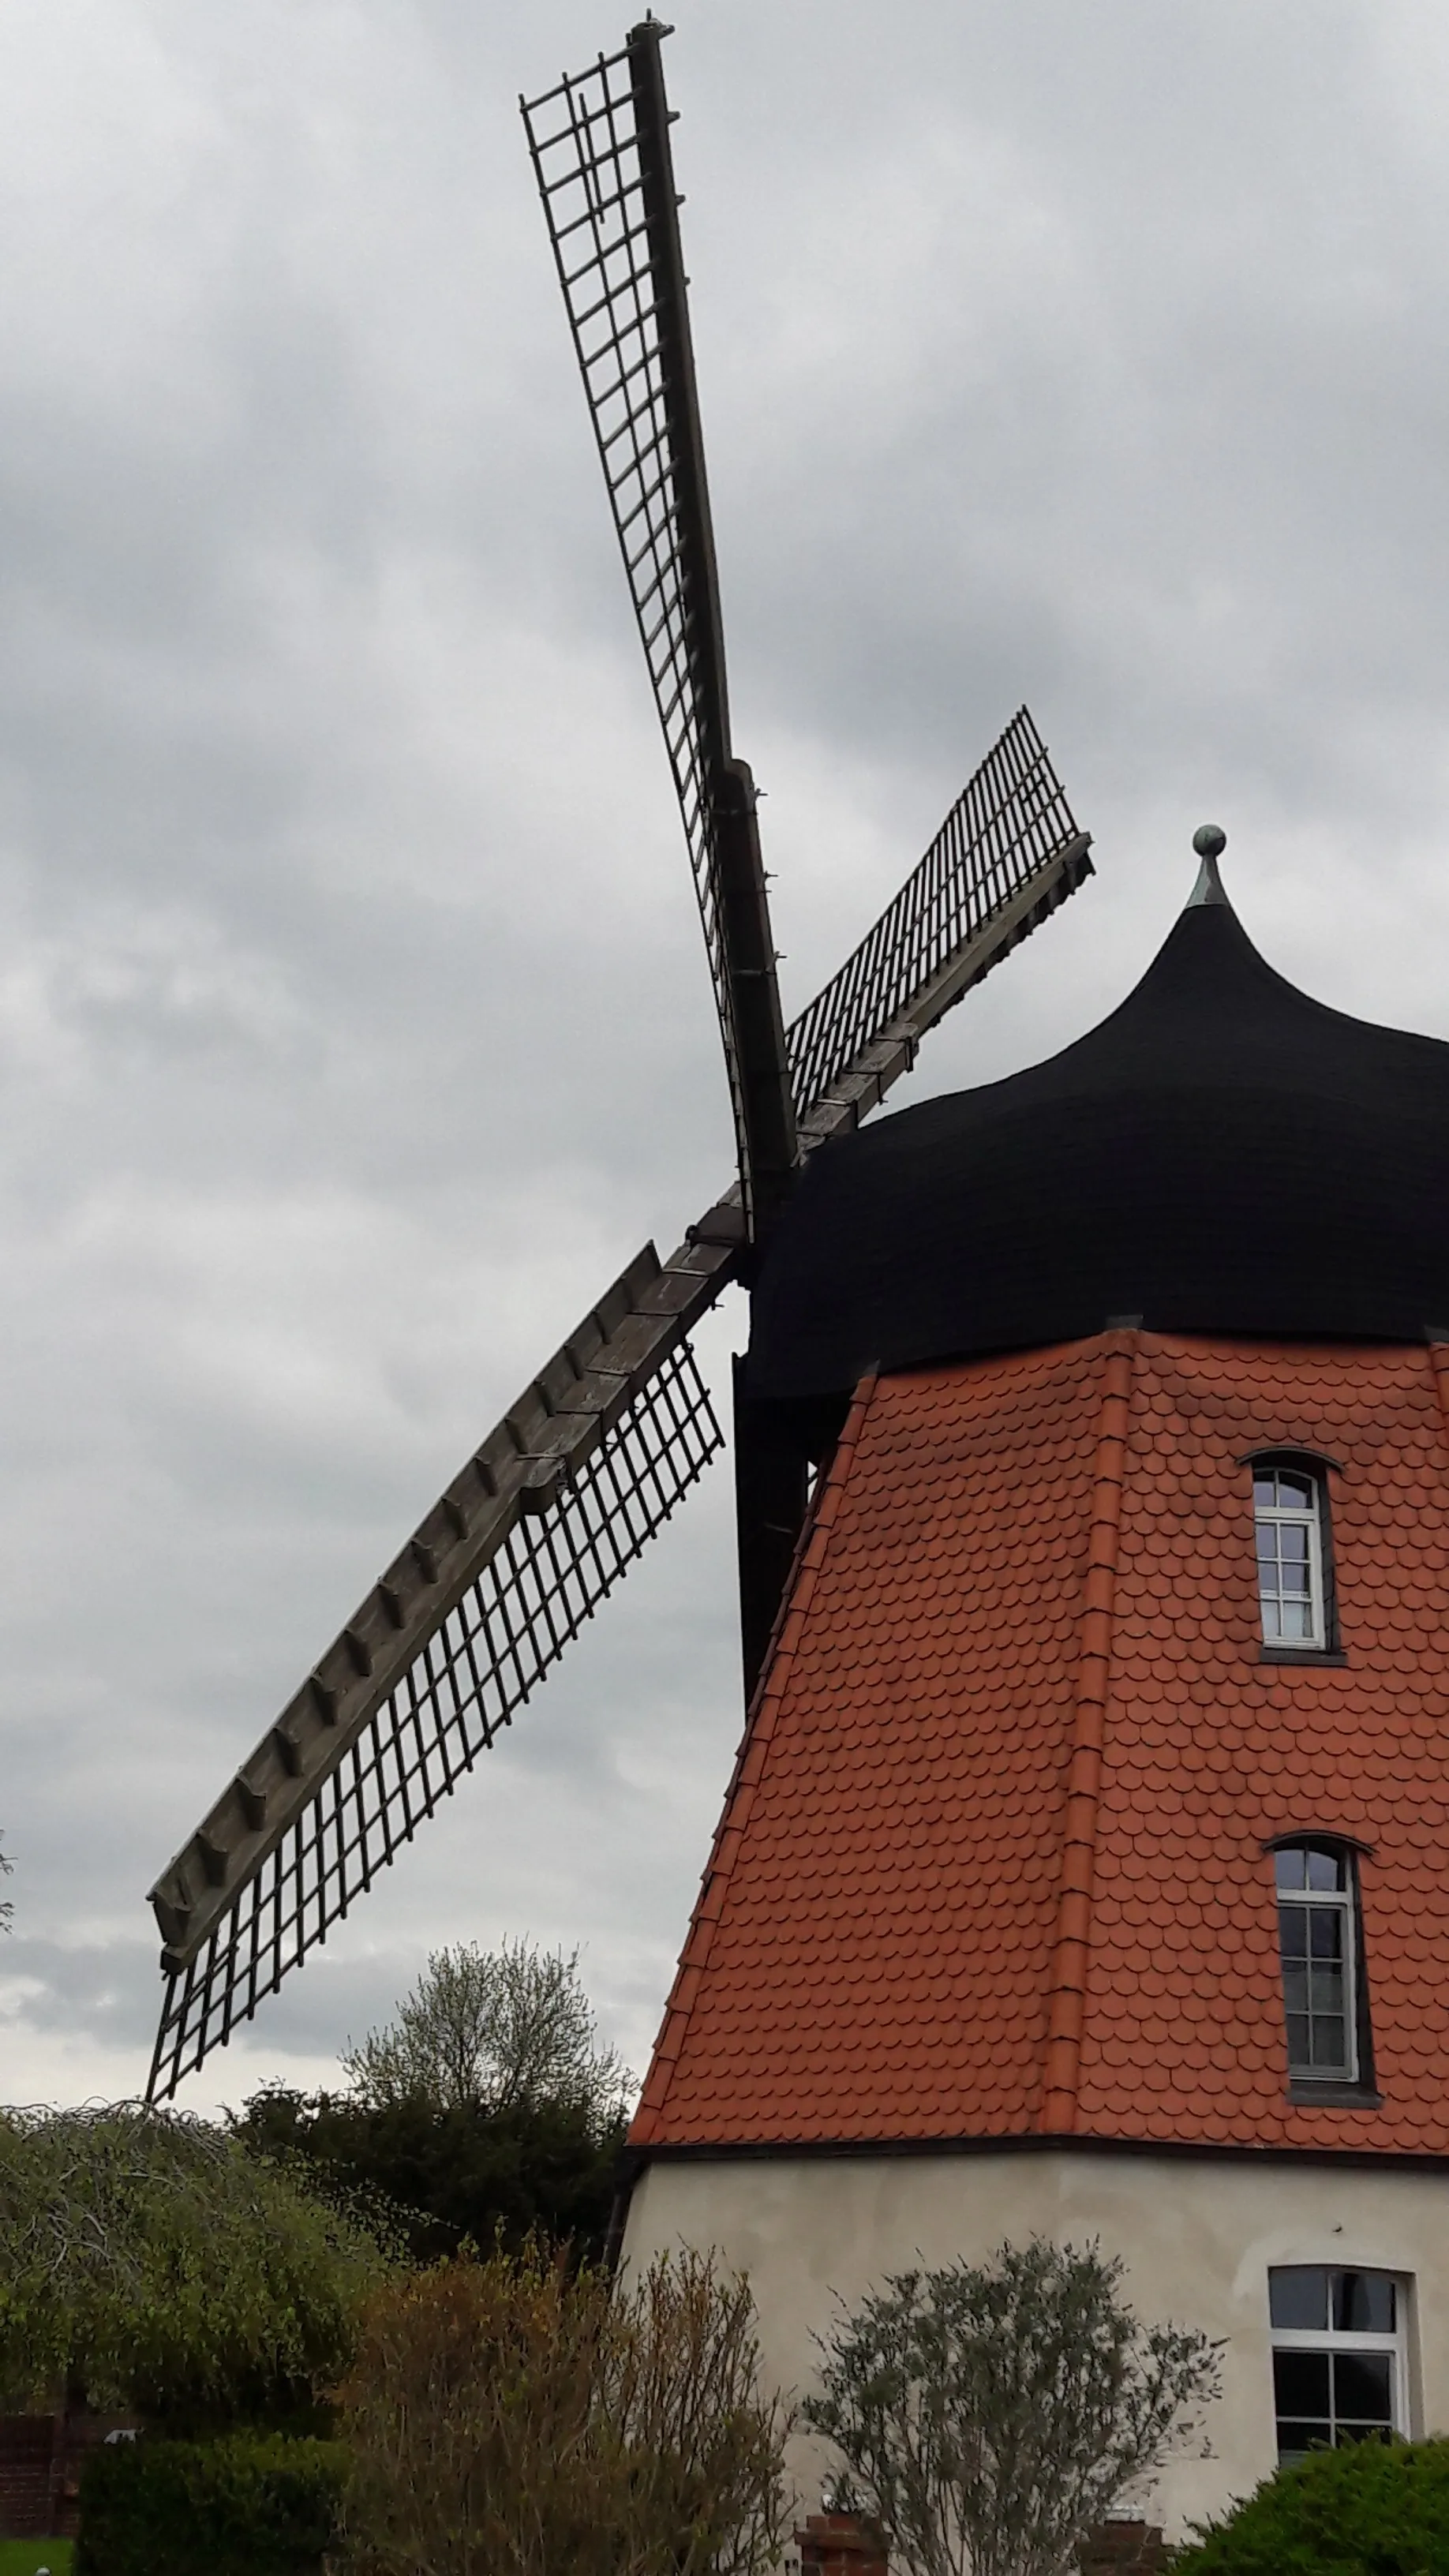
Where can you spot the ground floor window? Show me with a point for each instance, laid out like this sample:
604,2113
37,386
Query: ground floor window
1338,2364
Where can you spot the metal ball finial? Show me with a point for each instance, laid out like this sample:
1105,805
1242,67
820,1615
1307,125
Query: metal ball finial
1209,840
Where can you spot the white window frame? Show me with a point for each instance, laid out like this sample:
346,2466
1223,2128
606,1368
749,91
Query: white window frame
1307,1516
1332,2339
1344,1901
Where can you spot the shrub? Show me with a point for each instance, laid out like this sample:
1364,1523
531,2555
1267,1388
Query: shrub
989,2415
252,2504
450,2175
1373,2509
508,2417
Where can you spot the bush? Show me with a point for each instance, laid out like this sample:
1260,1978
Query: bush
509,2418
990,2415
451,2175
1373,2509
253,2504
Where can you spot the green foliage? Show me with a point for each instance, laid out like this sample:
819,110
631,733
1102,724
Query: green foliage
492,2030
1373,2509
989,2415
514,2418
453,2176
27,2557
250,2505
147,2261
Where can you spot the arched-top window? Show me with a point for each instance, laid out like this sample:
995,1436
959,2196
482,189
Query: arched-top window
1320,1941
1290,1521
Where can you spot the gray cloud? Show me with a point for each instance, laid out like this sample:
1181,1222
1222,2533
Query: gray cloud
353,1022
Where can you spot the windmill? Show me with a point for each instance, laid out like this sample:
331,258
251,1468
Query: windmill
552,1508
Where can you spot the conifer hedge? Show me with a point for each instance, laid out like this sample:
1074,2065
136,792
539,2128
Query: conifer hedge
251,2504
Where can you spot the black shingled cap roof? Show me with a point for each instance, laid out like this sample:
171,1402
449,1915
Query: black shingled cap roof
1222,1155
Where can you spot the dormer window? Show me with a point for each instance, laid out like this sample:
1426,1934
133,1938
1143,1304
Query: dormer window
1289,1524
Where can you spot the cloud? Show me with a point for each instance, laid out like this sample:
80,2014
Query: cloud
354,1028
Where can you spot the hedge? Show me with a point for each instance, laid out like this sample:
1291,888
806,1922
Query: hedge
252,2504
1373,2509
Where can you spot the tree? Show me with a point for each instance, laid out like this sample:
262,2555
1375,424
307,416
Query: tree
989,2416
148,2262
512,2417
492,2030
488,2176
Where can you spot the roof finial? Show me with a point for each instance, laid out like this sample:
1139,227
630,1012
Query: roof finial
1209,841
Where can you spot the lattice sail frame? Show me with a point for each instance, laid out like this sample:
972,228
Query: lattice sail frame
1010,822
483,1660
631,336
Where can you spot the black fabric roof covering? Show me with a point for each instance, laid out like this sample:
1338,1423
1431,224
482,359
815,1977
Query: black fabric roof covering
1221,1155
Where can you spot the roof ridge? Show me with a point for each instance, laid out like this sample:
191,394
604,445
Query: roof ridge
759,1727
1071,1949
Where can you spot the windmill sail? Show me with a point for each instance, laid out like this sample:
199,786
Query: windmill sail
1007,854
601,153
512,1559
610,1436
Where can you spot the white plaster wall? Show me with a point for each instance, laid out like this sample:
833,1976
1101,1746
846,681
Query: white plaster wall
1197,2236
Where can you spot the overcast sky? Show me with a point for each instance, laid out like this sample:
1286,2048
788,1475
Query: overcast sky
353,1017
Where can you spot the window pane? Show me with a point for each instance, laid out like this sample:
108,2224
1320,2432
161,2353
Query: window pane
1293,1933
1272,1624
1293,1550
1298,2040
1361,2382
1265,1489
1295,1988
1330,2052
1295,2441
1327,1870
1325,1933
1300,2382
1363,2303
1298,2296
1295,1493
1325,1993
1290,1868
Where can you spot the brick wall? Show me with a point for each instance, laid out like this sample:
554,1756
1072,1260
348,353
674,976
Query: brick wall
41,2457
1125,2549
840,2544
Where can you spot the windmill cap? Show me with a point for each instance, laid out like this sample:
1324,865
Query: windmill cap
1223,1154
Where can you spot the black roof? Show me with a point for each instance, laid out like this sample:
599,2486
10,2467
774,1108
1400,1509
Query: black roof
1221,1155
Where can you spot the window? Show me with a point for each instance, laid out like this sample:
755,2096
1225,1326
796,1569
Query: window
1318,1940
1338,2361
1288,1519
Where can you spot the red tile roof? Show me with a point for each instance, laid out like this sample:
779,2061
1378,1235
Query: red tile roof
992,1861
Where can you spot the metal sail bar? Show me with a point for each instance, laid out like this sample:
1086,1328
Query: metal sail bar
601,154
1007,854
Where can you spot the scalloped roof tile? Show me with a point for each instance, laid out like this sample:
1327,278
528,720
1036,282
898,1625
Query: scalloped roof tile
889,1927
